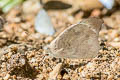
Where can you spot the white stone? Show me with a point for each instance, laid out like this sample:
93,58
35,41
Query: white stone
53,75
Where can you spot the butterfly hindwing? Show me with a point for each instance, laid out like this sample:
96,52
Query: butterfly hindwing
77,41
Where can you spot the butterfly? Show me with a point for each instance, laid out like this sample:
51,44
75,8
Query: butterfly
79,41
108,3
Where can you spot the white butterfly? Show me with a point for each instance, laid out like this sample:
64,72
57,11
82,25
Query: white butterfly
43,23
108,3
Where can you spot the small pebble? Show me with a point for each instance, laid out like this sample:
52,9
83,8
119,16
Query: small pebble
56,70
40,77
80,69
7,77
48,39
110,77
118,54
24,34
9,54
66,77
31,6
14,77
96,13
2,21
114,44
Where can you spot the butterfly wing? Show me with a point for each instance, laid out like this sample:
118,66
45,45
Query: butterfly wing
77,41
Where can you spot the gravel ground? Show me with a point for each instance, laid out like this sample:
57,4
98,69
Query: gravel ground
23,56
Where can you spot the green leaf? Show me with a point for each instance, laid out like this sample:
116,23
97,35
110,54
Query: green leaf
4,2
11,4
